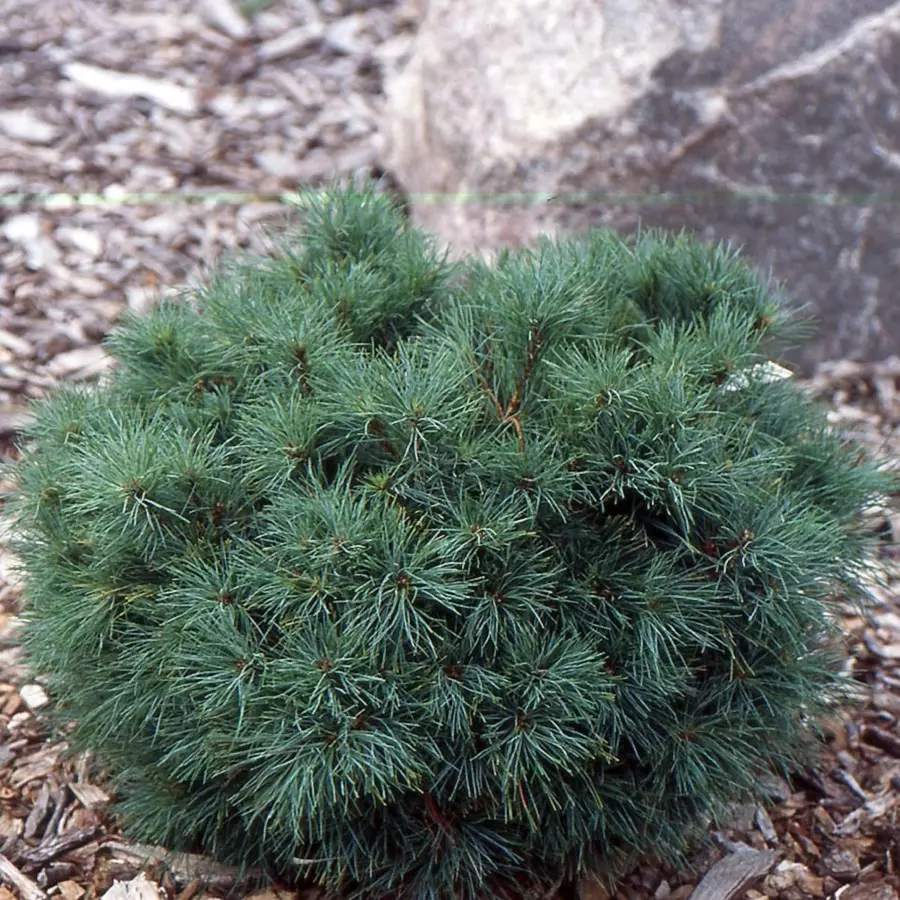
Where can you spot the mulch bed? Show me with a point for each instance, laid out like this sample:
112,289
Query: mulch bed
208,99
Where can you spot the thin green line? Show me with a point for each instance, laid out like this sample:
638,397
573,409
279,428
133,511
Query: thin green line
825,199
60,201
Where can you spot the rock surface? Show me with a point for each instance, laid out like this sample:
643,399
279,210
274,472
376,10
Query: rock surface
774,125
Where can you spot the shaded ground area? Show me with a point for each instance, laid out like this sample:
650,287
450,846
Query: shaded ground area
120,99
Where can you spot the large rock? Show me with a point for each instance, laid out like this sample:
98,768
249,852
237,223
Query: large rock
773,124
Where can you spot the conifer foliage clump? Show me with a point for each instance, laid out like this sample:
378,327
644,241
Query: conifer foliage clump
437,578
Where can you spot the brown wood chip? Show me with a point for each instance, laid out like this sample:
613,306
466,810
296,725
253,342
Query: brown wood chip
38,812
868,892
71,890
54,847
882,739
13,418
191,889
184,866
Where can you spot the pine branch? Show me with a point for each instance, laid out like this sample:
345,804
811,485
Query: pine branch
509,413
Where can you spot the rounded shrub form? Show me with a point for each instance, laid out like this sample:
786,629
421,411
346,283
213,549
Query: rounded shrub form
440,578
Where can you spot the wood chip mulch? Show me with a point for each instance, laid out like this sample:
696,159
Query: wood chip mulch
121,100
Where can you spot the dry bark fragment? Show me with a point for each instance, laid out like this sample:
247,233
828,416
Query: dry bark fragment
89,795
765,826
27,889
38,812
59,807
71,890
190,890
734,874
184,866
882,739
54,847
842,864
869,892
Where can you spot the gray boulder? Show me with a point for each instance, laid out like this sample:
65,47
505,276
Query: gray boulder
774,125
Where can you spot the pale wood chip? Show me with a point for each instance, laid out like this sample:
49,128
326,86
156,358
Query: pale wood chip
9,826
223,15
20,719
59,808
879,806
283,165
24,125
886,388
89,795
83,239
734,874
888,701
847,413
345,35
308,91
140,888
291,42
174,97
850,783
35,765
12,704
30,771
765,826
17,344
26,376
890,621
77,817
34,696
84,284
884,651
27,889
789,875
71,890
83,361
25,230
83,763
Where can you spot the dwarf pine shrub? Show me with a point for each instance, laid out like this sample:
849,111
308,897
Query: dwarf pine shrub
434,578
